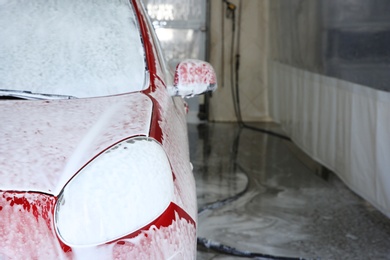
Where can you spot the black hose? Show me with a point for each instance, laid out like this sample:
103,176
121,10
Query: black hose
235,71
228,250
225,249
265,131
207,243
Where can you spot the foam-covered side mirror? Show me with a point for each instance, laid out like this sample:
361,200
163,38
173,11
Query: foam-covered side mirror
193,77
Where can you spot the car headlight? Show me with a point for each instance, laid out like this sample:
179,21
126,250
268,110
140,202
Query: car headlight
119,192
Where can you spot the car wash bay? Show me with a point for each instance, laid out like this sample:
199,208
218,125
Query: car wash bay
315,71
259,193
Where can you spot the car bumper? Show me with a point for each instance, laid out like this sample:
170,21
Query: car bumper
27,231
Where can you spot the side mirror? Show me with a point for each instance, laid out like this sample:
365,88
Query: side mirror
193,77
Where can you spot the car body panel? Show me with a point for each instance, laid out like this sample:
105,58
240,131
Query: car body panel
41,153
27,232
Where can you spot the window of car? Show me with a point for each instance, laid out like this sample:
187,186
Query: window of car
75,48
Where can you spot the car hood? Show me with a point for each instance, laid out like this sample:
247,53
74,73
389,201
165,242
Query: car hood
44,143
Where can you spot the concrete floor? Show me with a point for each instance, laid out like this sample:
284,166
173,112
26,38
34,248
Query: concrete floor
272,199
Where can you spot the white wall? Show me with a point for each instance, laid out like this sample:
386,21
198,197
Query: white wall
253,68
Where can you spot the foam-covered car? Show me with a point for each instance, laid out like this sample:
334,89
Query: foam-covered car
94,158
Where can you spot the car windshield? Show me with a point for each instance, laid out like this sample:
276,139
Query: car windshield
72,48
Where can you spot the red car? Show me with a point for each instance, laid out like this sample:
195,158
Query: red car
94,159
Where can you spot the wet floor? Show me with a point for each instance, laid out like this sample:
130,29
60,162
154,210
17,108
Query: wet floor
258,193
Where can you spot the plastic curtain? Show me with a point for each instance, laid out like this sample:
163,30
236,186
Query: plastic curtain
344,126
